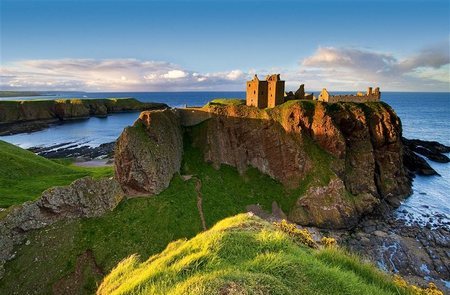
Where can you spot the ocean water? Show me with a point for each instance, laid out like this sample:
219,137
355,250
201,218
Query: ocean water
424,116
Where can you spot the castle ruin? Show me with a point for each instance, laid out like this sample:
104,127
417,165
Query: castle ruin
370,95
265,94
270,93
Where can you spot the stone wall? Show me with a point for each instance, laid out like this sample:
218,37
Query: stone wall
370,96
353,98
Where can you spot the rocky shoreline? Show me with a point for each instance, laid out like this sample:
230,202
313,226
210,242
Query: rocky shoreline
419,254
73,150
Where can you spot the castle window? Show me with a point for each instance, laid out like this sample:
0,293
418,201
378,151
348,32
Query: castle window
254,91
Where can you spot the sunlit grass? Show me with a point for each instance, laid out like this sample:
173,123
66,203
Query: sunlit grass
24,175
245,255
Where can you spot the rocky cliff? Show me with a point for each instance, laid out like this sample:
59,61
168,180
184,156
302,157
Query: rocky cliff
149,153
344,159
32,115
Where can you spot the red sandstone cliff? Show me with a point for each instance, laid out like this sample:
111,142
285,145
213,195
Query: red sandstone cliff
344,159
346,156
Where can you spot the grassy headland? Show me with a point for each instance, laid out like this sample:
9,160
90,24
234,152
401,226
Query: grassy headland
24,175
19,93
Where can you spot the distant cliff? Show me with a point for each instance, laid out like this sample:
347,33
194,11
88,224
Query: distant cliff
32,115
343,159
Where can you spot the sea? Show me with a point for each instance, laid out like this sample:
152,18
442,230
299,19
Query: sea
424,116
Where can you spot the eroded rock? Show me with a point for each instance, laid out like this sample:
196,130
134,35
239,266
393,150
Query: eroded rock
149,153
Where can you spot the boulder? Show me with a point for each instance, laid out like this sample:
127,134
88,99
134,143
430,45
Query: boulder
85,197
149,153
330,206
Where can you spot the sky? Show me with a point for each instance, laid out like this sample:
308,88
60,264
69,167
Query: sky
137,45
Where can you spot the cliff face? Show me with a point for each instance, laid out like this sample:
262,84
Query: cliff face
23,116
346,158
343,159
149,153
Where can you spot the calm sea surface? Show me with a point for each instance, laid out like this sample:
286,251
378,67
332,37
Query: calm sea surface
424,116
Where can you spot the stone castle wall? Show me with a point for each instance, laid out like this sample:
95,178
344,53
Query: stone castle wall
353,98
370,96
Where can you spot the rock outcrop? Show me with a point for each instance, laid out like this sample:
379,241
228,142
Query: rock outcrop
433,150
149,153
33,115
85,197
346,158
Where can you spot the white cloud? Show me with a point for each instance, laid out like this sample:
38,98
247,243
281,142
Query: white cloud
330,67
112,75
349,68
235,75
175,74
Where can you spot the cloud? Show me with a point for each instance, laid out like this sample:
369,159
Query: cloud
112,75
346,68
349,58
175,74
331,67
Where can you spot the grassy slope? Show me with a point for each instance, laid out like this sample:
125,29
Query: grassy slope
226,101
245,255
24,176
143,225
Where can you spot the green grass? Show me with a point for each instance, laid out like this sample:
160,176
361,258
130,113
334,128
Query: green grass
24,176
226,102
245,255
144,225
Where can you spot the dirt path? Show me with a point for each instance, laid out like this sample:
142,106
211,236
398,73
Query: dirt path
198,189
74,282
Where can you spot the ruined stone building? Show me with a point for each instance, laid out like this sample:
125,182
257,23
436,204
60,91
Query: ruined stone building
268,93
370,95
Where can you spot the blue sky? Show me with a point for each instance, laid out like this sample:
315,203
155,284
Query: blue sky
168,45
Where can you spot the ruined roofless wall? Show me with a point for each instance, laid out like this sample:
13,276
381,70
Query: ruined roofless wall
353,98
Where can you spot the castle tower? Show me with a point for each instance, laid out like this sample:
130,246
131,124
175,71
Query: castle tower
275,91
257,93
369,91
377,93
324,95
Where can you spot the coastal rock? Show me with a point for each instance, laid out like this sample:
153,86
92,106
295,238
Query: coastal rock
417,253
330,207
85,197
431,149
73,150
149,153
416,164
33,115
